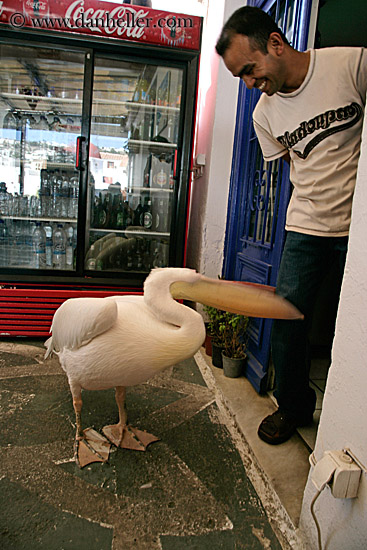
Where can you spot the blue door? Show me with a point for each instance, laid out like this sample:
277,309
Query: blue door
259,195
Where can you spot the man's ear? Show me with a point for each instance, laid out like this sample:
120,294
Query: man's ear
275,43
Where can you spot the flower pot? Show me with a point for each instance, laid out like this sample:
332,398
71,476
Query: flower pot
217,356
233,366
208,345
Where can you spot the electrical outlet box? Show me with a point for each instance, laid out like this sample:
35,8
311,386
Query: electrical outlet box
345,481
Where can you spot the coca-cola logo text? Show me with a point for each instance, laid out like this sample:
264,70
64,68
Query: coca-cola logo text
119,20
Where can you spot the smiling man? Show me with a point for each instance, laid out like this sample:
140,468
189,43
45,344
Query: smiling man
310,113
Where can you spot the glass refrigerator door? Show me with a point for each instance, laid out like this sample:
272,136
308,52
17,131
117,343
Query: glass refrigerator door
40,118
133,150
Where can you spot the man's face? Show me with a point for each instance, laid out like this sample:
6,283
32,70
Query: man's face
257,70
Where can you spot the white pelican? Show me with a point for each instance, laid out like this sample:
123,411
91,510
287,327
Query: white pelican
121,341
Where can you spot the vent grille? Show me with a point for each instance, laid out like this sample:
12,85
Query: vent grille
29,311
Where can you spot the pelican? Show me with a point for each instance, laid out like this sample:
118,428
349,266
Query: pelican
122,341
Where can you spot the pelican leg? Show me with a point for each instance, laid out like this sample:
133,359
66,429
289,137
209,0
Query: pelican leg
125,436
89,445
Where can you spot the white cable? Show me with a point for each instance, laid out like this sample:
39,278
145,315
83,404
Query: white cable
323,471
315,518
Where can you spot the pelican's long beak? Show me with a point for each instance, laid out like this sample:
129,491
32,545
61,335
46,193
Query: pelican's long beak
236,297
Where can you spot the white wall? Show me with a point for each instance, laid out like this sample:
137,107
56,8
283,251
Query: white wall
215,131
344,414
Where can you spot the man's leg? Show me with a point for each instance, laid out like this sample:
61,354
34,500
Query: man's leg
306,261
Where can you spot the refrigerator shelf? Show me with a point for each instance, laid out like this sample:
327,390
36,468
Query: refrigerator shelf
136,232
142,146
76,101
139,190
40,219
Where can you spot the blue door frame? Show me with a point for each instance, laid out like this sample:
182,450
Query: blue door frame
259,195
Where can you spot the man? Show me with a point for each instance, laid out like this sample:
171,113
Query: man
310,113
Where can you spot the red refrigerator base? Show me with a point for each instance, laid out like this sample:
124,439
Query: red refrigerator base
29,311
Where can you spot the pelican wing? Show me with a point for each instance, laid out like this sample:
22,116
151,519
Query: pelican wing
79,320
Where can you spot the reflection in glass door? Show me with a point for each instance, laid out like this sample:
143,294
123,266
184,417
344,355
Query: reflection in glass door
132,155
40,118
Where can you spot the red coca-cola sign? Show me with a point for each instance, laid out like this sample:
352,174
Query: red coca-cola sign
104,19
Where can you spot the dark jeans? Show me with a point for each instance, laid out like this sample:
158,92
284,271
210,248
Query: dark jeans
305,263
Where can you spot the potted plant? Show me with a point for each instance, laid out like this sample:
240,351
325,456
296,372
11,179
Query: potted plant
214,331
233,338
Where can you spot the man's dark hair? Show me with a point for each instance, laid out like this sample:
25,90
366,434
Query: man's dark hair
251,22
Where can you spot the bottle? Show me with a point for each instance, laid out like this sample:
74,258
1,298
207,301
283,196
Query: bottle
138,212
4,244
91,258
146,174
45,193
129,215
99,264
12,242
170,129
103,212
120,218
143,89
49,245
34,207
18,244
59,248
28,228
147,258
65,194
4,199
74,197
178,97
96,209
56,194
129,257
136,96
138,257
69,253
147,215
158,260
39,247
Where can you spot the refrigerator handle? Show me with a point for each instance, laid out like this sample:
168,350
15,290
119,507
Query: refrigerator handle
174,176
79,164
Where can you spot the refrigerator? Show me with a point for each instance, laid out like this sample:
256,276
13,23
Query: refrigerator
97,116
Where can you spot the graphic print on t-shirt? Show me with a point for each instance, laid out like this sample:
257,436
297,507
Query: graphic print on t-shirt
353,112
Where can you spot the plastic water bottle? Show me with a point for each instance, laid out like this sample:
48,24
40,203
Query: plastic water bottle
45,194
74,197
49,245
39,247
4,244
12,247
69,247
59,244
4,199
18,244
65,193
57,195
28,228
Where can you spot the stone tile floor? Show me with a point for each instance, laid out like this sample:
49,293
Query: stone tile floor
188,491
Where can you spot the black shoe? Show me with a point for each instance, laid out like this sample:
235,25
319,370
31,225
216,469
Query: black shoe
279,427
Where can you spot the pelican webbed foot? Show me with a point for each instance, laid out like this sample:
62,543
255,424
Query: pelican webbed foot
91,447
128,437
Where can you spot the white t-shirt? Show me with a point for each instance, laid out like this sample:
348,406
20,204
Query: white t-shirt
320,126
